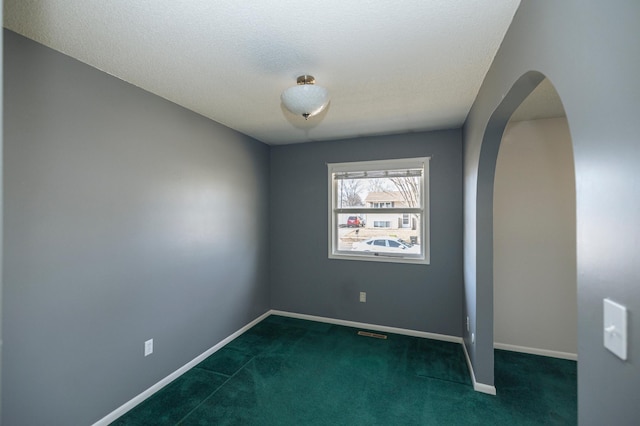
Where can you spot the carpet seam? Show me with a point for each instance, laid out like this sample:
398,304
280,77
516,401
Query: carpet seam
214,392
442,380
213,372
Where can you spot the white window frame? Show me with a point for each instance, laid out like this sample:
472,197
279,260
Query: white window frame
423,210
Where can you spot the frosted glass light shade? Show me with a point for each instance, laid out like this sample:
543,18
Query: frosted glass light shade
305,99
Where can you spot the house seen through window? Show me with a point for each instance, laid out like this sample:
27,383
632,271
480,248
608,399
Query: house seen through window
378,210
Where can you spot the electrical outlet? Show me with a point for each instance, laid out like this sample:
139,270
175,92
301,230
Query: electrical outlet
148,347
363,297
473,338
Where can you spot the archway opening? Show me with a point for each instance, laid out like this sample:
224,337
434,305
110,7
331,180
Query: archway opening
482,353
534,231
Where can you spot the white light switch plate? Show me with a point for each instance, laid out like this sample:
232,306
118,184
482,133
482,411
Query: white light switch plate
615,328
148,347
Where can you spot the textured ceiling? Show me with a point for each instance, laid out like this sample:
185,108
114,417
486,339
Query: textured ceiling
390,67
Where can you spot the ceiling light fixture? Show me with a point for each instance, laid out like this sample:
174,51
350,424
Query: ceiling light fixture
306,98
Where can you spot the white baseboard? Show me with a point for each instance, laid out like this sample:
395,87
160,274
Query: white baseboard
129,405
535,351
478,387
353,324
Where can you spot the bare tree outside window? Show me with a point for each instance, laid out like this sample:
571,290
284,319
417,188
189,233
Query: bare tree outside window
376,185
350,192
409,188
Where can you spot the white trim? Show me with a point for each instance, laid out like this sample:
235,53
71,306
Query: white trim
389,164
379,210
478,387
372,257
403,331
129,405
535,351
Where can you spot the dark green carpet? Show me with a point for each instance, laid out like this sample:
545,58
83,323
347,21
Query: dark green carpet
292,372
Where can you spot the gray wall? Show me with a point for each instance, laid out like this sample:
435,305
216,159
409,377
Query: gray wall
127,218
1,212
590,52
304,280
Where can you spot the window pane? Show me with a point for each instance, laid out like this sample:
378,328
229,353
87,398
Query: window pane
382,192
377,226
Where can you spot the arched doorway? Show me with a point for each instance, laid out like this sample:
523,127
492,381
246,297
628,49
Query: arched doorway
482,352
534,231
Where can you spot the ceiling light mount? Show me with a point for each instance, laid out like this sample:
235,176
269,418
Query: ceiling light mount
306,98
306,79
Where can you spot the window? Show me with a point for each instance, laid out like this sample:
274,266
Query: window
381,205
378,210
381,224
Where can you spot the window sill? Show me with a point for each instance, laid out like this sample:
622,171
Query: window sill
378,258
